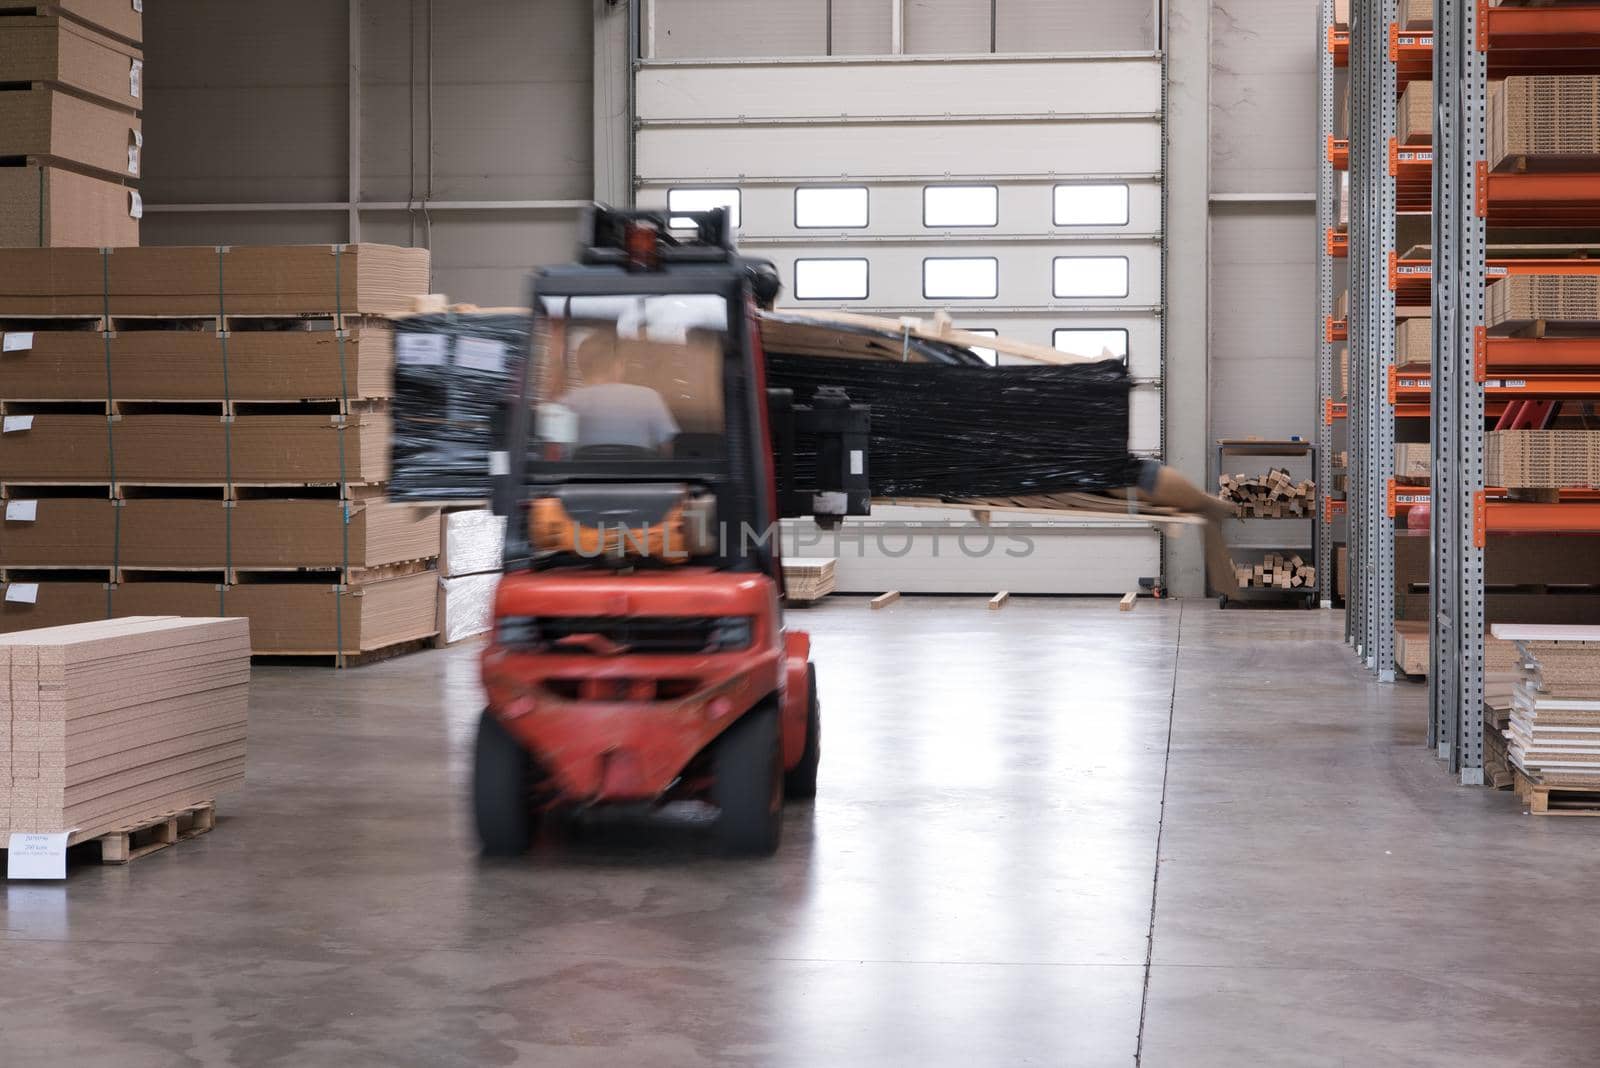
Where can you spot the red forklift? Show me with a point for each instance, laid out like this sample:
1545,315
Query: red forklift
639,654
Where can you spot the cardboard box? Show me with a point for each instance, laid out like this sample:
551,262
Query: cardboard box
193,449
1413,463
190,281
1522,299
68,53
55,208
179,365
119,18
1542,459
164,533
43,121
1544,121
285,617
1415,114
1414,342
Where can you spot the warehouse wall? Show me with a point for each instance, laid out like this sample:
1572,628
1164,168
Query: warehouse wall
1263,242
705,29
249,103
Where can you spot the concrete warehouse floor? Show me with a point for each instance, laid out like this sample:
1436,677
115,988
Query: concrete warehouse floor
972,888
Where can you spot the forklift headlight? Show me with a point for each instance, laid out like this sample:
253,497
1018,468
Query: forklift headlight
731,633
519,632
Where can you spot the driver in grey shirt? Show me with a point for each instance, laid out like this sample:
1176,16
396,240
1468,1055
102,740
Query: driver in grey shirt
613,412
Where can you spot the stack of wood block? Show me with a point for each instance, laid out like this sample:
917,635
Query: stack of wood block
110,723
1276,572
472,543
1553,731
808,579
205,431
1275,495
71,91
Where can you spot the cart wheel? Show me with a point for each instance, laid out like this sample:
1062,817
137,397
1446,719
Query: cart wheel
502,776
748,784
801,783
1222,601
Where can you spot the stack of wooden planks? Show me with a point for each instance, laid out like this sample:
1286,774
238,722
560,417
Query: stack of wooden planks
1553,730
1275,495
110,723
806,580
1276,572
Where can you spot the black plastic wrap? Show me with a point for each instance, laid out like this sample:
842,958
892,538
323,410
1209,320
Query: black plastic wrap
950,431
452,374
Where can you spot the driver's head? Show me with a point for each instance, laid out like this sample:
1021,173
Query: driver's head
600,358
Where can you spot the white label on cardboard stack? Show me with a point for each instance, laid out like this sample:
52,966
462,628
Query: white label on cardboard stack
23,593
420,350
133,151
20,341
14,423
135,204
135,69
37,856
22,511
481,354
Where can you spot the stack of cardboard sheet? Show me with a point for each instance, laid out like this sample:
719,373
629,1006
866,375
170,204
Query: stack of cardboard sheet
471,545
1544,122
1415,114
71,88
111,723
808,579
1542,459
1554,723
1414,342
1413,463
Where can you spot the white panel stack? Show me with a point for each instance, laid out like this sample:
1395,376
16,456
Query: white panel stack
1554,730
470,550
109,723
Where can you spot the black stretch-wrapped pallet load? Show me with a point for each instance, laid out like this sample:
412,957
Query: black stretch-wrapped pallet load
952,431
452,374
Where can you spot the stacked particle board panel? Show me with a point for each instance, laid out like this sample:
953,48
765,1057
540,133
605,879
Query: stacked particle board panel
71,136
471,543
115,722
1554,724
218,444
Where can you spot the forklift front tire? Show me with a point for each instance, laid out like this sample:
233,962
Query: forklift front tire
801,783
502,778
747,784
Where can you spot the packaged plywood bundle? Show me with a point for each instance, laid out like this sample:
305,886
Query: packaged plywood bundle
266,360
1544,121
42,121
469,572
116,722
1524,299
1414,342
62,51
465,606
47,206
1415,114
808,579
1542,459
178,281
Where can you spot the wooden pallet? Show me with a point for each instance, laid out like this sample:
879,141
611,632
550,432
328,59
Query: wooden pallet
147,836
1556,799
316,657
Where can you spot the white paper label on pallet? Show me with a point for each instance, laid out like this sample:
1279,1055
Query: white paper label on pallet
23,593
499,464
481,354
135,70
20,341
14,423
858,462
22,511
135,204
420,350
37,856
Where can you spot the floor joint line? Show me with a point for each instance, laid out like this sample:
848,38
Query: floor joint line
1161,826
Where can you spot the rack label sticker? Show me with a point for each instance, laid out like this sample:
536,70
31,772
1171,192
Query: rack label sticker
481,354
420,350
1414,269
1510,383
1499,270
1411,498
23,593
14,423
21,341
22,511
135,70
1412,383
37,856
